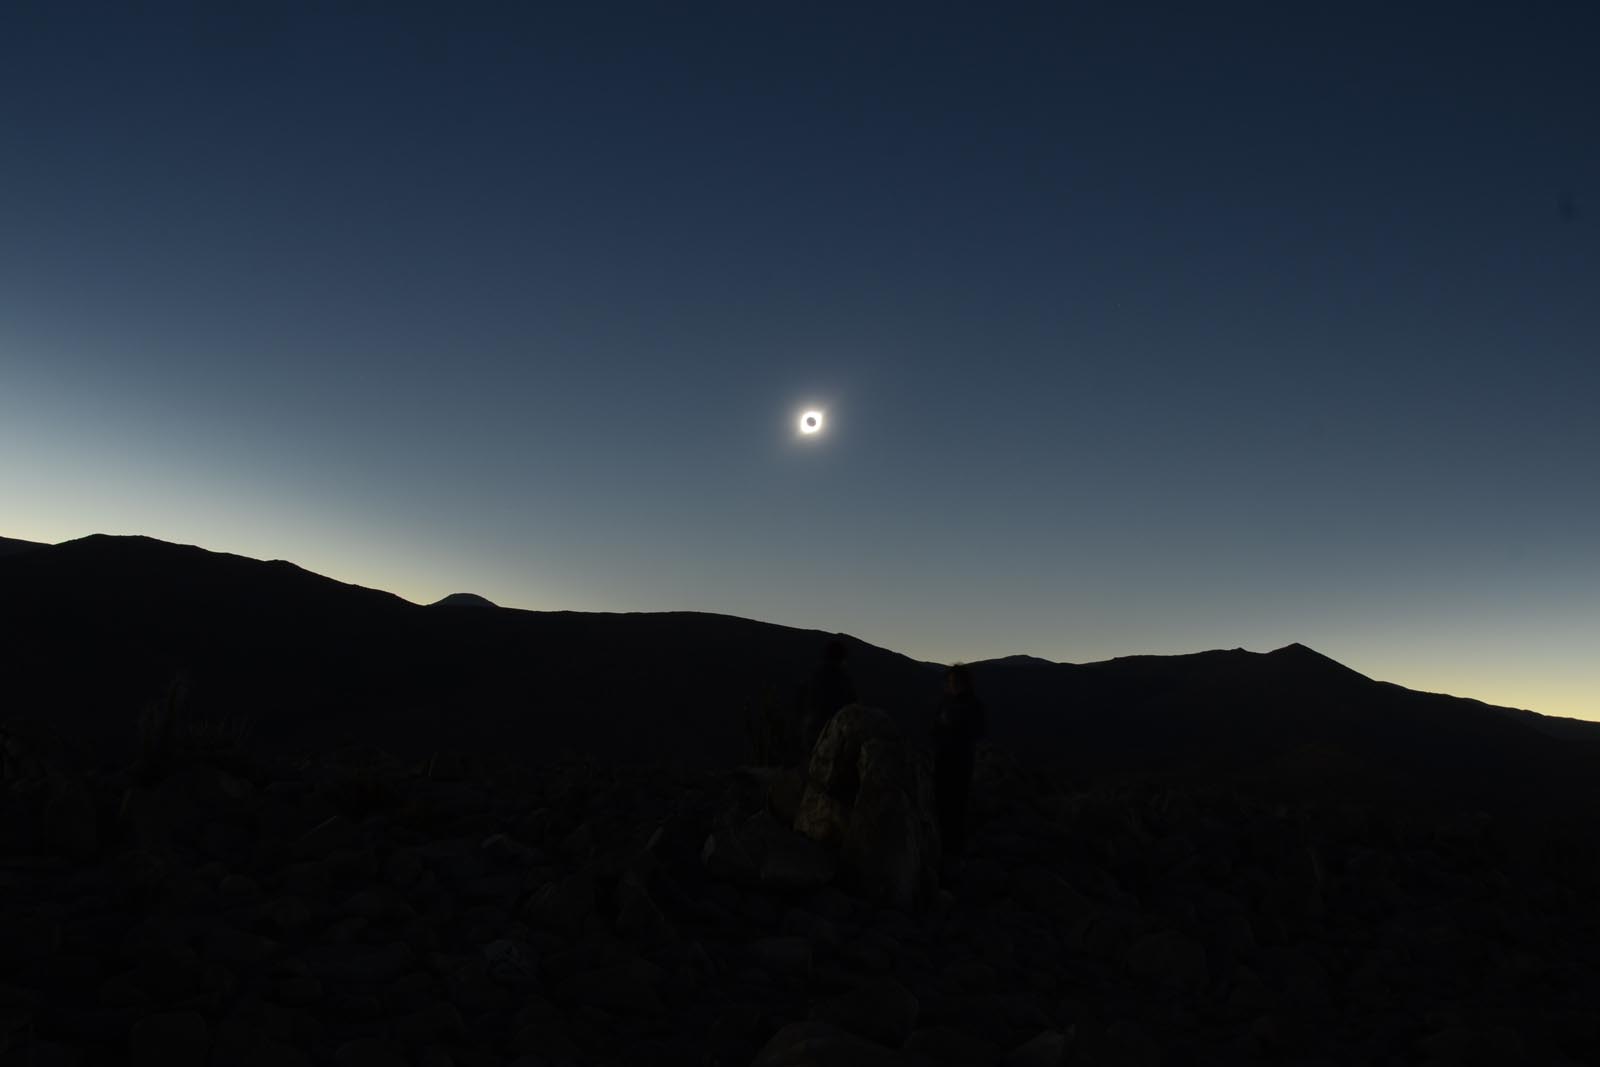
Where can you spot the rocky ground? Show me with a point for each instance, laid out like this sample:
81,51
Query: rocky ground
355,910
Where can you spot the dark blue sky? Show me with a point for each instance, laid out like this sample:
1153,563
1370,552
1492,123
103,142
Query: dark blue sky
1140,328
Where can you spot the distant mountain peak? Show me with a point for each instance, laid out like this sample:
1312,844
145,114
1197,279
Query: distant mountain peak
1022,659
1295,650
464,600
1305,656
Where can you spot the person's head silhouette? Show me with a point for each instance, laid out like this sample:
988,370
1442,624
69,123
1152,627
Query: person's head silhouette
958,680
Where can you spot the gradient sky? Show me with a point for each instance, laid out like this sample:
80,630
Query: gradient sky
1140,328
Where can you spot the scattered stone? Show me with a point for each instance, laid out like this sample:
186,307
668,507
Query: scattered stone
170,1039
1047,1049
880,1009
821,1044
70,823
438,1022
402,867
238,885
27,938
352,964
448,767
638,918
946,1044
565,906
509,963
289,914
969,976
548,1041
236,947
789,956
275,1054
1170,958
762,853
1264,928
327,837
623,989
370,1052
1298,973
795,864
505,850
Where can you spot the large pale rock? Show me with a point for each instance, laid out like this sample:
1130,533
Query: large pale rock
870,795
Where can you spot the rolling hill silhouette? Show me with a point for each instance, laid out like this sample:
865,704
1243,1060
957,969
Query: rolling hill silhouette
10,546
95,628
464,600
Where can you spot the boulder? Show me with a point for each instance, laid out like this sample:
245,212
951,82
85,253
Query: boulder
880,1009
815,1044
638,917
947,1044
370,1052
355,964
1046,1049
869,794
26,939
761,852
1169,958
565,906
326,837
786,958
170,1039
627,989
438,1021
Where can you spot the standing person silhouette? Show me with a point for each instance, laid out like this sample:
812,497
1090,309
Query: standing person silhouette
830,690
960,722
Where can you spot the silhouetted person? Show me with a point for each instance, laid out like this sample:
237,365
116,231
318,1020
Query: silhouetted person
830,689
959,723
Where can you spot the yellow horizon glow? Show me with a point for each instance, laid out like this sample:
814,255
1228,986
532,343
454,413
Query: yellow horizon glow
1554,688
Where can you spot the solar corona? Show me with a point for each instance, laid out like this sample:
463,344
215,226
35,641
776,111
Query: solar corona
811,422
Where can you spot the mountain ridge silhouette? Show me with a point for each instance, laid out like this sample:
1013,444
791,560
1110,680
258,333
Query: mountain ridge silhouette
98,626
11,545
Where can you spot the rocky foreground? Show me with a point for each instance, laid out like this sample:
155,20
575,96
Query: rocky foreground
351,909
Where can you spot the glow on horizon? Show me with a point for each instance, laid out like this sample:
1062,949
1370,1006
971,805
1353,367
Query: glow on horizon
1555,685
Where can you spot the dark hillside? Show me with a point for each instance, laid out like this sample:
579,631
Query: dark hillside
10,546
100,626
97,627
